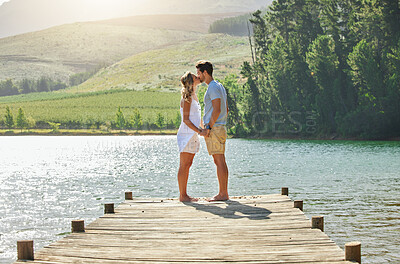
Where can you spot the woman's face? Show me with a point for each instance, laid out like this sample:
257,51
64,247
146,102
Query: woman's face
196,80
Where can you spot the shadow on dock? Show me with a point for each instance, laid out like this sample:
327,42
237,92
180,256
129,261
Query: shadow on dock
233,210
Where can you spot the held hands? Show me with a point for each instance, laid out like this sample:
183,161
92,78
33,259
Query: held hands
204,132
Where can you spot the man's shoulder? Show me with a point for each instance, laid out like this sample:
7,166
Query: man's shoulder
216,85
213,84
212,88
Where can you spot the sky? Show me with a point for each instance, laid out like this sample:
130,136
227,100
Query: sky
2,1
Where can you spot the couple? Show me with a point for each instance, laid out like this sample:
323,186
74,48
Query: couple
212,128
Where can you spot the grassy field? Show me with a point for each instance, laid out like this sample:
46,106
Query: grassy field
98,107
160,70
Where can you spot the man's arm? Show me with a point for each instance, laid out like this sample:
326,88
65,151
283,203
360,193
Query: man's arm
216,104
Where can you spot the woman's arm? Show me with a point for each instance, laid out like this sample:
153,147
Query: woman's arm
186,120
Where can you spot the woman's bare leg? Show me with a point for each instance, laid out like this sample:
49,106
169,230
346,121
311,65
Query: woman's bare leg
186,160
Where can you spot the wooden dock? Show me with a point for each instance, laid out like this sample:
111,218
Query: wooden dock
248,229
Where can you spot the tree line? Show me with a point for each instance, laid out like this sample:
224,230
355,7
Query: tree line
121,122
44,84
135,121
321,67
236,26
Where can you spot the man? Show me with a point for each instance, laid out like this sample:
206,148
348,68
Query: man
215,118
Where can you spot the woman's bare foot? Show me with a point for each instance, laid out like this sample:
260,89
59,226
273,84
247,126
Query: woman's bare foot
187,199
219,198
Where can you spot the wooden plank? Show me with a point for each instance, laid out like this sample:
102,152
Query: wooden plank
303,253
254,229
67,260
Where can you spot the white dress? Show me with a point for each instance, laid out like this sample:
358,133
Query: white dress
188,140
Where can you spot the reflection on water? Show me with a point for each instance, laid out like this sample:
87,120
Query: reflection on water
48,181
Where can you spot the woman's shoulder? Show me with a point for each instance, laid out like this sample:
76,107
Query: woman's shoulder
183,101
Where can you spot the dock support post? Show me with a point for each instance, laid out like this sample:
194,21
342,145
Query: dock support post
318,222
25,250
298,204
285,191
77,226
128,196
109,208
353,251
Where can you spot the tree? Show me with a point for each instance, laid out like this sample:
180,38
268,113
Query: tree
302,86
261,35
279,72
21,119
392,104
323,63
335,20
178,120
252,103
8,88
25,86
137,119
365,72
233,96
306,26
31,123
54,127
281,17
120,119
391,17
201,91
43,85
160,121
9,118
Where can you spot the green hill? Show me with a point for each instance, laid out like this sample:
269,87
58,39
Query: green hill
160,70
61,51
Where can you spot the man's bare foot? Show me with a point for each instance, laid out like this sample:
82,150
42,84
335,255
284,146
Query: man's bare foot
187,199
219,198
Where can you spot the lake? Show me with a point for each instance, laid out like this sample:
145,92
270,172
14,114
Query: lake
46,182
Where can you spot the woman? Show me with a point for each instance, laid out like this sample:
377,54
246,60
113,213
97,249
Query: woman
188,140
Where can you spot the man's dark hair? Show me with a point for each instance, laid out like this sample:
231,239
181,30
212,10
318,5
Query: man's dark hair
205,66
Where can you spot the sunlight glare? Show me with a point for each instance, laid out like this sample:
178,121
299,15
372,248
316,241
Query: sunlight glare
3,1
115,8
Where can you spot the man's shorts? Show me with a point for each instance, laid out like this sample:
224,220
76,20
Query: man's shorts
216,140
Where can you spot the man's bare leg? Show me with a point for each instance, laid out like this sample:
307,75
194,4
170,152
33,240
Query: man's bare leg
186,160
222,173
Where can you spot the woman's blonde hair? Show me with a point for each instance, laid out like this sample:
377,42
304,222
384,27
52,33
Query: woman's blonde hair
187,86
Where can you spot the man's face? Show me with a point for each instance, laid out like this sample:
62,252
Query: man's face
201,76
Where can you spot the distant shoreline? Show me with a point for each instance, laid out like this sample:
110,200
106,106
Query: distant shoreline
166,132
